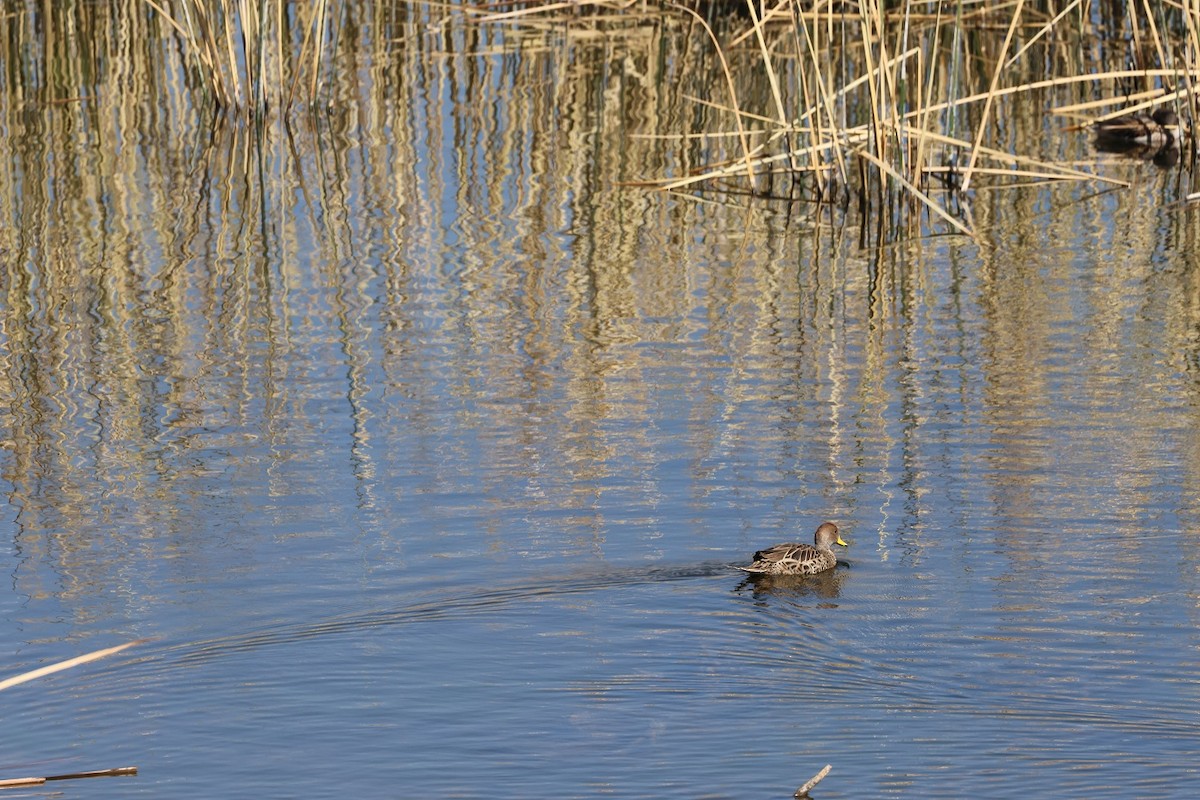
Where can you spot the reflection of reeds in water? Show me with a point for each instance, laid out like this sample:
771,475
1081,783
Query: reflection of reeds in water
242,57
462,212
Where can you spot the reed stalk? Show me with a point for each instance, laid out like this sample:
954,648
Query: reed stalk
242,52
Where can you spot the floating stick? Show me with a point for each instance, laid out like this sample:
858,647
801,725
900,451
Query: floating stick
13,783
61,665
813,781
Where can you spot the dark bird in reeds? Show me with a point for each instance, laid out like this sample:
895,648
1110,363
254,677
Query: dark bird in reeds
798,558
1160,129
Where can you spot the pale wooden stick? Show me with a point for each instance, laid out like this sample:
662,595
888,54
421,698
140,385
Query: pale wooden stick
813,781
61,665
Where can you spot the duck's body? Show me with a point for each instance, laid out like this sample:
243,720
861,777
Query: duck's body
798,558
1160,129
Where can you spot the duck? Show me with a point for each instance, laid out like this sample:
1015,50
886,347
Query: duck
1160,129
798,558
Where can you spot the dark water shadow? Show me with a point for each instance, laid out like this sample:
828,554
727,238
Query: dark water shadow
824,586
1162,156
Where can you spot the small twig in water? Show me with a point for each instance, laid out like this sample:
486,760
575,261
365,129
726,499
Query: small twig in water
813,781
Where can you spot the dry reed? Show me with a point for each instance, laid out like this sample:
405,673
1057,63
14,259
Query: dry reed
50,669
241,53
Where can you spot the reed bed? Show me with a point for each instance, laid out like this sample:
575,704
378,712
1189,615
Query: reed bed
895,110
899,108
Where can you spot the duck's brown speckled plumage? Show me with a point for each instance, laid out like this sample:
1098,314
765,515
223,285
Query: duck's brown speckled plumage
1160,129
798,558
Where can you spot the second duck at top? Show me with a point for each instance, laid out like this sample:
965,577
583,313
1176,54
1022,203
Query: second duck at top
1160,129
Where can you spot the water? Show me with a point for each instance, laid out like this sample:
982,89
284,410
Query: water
423,479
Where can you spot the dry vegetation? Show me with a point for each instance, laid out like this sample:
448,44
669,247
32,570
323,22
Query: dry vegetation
896,109
884,104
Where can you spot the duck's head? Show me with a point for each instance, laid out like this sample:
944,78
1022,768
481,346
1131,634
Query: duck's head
827,536
1165,117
